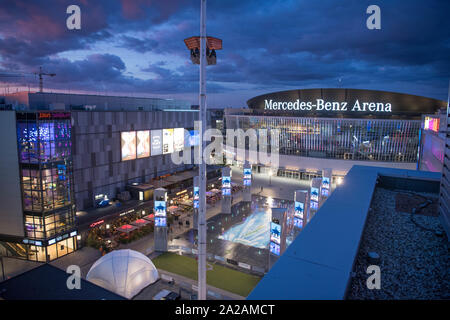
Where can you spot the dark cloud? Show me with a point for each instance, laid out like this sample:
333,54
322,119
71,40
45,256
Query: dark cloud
268,45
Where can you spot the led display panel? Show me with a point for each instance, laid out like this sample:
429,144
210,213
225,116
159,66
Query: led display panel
128,145
196,197
298,222
143,144
160,208
226,182
274,248
299,208
326,182
167,141
178,139
160,222
275,232
194,139
314,194
156,142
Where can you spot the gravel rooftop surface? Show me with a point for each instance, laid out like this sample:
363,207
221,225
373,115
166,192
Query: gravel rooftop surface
415,260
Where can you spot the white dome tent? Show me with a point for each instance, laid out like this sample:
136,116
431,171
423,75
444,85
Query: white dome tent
125,272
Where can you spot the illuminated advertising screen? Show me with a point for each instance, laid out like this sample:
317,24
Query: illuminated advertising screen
160,222
275,232
247,182
314,205
178,139
314,194
226,192
196,197
226,182
128,145
326,182
194,139
156,142
325,192
167,141
143,144
298,223
274,248
247,173
160,208
299,208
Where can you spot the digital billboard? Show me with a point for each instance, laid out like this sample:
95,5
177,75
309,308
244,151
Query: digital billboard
143,144
196,197
299,208
314,205
275,232
160,208
325,192
156,142
167,141
226,192
274,248
194,139
178,139
226,182
326,182
298,223
247,182
128,145
247,173
160,222
314,194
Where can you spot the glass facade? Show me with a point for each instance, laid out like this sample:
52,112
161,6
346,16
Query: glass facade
349,139
44,143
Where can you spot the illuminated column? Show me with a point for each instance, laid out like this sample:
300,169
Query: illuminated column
196,201
226,190
300,209
314,197
160,232
247,182
277,243
326,185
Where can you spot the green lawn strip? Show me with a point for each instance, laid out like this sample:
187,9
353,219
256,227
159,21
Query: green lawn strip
220,277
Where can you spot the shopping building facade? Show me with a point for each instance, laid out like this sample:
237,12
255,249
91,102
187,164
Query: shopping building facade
58,161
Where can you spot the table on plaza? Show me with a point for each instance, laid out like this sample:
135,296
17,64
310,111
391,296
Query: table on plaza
127,228
140,222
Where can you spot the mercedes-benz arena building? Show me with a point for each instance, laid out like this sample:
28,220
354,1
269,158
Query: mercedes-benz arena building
337,128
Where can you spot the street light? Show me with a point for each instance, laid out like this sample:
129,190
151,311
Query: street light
203,52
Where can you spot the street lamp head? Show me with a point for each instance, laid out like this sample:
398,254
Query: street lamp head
212,44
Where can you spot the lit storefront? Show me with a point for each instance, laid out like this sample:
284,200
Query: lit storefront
336,128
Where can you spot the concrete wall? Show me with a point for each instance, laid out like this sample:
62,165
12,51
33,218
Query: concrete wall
98,168
11,215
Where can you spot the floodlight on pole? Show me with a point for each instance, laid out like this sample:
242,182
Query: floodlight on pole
203,52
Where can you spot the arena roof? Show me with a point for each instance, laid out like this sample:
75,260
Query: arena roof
353,103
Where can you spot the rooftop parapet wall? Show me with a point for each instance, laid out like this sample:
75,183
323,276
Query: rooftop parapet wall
318,264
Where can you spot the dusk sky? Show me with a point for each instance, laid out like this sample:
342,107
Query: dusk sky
136,47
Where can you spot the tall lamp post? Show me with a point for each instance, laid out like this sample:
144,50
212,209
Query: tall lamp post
202,52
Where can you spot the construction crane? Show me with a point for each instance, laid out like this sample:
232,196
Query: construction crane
41,79
24,74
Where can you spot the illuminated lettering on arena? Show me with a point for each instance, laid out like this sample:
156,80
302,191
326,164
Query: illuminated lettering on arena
322,105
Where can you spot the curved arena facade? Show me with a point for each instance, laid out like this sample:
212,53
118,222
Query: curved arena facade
337,128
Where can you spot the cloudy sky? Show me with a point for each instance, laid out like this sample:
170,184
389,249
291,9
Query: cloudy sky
135,47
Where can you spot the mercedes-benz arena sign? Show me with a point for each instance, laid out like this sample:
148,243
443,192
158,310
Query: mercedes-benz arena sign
348,102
